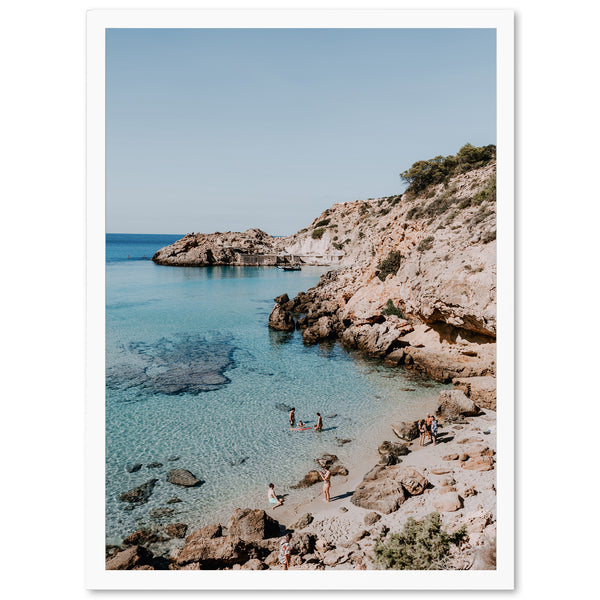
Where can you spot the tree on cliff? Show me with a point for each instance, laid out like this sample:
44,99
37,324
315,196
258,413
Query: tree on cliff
424,173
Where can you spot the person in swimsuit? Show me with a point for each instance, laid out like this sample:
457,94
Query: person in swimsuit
434,429
428,420
274,501
422,432
285,551
300,424
292,417
319,425
325,475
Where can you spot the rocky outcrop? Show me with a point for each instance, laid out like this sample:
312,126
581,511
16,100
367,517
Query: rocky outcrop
454,405
252,525
385,489
128,559
482,390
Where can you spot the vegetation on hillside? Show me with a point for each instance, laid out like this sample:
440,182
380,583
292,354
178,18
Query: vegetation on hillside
440,169
422,545
390,264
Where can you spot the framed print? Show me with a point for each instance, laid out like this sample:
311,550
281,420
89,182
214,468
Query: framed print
300,300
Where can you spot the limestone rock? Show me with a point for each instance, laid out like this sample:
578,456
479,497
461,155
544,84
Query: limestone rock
303,522
482,390
453,405
141,537
215,553
183,478
406,431
251,524
139,494
254,564
129,558
449,502
372,518
176,530
281,320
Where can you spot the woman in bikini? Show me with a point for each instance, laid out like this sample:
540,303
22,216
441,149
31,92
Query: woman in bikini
325,475
422,432
319,425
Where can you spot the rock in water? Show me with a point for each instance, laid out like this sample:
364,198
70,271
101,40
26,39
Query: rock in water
281,320
183,478
176,530
160,513
140,494
283,407
133,467
154,465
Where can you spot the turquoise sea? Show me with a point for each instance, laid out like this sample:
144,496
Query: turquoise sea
194,372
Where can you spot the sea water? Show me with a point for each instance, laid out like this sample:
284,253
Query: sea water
196,380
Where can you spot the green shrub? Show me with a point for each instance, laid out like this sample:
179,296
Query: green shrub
391,309
361,235
317,234
322,223
426,244
384,211
390,264
422,545
436,170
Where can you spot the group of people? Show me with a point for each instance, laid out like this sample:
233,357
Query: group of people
318,426
428,428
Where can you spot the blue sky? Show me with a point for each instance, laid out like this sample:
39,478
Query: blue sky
224,129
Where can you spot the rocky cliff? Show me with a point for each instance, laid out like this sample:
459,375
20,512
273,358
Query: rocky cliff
417,283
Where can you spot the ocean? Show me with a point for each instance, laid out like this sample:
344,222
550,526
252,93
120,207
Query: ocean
196,380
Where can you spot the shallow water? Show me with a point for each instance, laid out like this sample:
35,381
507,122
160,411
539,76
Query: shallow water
194,372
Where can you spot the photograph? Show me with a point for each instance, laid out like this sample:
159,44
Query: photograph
300,296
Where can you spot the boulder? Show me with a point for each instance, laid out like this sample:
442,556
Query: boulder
282,299
129,558
449,502
454,405
215,553
251,524
394,358
303,543
133,467
309,479
281,320
323,329
326,460
412,481
206,533
154,465
338,470
482,390
483,463
140,494
183,478
176,530
450,457
393,448
254,564
406,431
371,518
141,537
303,521
384,493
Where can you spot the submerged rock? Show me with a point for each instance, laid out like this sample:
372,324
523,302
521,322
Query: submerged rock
133,467
139,494
183,478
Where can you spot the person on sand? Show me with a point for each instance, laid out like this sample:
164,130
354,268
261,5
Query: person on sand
325,475
292,417
319,425
434,429
428,420
422,432
274,501
285,551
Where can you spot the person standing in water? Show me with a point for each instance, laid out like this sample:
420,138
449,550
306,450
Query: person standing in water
319,425
325,475
292,417
274,501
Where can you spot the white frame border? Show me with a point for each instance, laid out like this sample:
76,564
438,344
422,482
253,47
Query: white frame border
95,574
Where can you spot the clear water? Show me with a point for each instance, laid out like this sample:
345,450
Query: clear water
193,371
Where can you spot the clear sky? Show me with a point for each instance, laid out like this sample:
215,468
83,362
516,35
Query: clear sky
227,129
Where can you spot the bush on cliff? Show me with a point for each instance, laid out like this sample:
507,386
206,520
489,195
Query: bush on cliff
317,234
392,309
436,170
422,545
390,264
